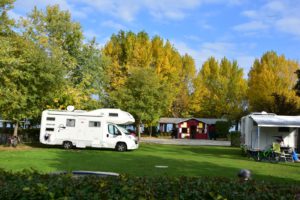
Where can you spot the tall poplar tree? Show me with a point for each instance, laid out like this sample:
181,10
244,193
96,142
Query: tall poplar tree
219,90
271,79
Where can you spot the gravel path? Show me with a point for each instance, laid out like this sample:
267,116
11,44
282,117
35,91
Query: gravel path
186,142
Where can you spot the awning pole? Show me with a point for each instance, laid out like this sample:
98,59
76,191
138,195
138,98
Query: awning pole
258,135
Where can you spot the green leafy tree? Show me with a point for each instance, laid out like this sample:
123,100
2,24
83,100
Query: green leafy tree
272,79
142,95
83,63
6,23
28,78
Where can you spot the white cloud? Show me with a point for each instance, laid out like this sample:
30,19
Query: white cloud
251,26
163,9
218,50
26,6
277,15
170,9
289,25
112,24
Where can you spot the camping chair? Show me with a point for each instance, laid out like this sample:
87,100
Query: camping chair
282,154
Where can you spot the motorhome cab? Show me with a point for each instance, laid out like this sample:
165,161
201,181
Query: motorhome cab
97,128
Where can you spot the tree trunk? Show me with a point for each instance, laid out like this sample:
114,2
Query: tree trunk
138,129
16,129
150,131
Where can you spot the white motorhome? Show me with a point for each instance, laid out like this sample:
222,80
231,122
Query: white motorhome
260,130
78,128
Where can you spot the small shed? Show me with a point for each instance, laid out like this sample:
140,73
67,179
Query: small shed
260,130
192,128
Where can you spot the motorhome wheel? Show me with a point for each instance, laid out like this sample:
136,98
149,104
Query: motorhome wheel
67,145
121,146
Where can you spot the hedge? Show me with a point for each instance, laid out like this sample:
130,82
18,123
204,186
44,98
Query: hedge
235,138
222,128
32,185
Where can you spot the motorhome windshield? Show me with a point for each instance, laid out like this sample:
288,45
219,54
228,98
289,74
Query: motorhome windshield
123,130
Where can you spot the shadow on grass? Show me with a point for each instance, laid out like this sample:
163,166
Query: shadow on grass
141,163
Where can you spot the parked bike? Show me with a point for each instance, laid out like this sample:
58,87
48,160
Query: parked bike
12,141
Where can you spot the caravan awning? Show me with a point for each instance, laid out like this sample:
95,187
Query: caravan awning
276,120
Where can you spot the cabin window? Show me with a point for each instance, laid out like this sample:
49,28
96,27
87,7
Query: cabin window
113,130
70,123
283,129
50,118
49,129
113,114
94,124
184,130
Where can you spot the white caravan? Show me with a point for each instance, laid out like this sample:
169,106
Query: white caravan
82,129
260,130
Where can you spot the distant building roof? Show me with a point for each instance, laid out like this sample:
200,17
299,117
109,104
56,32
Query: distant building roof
165,120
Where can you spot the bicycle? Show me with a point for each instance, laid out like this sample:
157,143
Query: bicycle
268,155
12,141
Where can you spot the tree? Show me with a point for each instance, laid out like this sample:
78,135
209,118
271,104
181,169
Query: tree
285,106
142,95
28,78
220,89
181,104
45,64
6,24
272,79
128,50
83,63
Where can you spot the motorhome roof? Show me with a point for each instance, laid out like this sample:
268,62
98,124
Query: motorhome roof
74,113
262,113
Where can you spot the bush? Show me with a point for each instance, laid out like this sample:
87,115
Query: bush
32,185
29,135
222,128
235,138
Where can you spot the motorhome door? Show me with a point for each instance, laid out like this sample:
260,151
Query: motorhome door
66,129
113,136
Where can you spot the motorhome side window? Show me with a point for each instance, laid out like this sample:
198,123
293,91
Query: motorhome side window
50,118
113,130
113,114
94,124
283,129
70,123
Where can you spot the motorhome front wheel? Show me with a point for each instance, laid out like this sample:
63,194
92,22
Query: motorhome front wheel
121,146
67,145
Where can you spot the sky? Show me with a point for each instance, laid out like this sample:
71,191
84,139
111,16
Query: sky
241,30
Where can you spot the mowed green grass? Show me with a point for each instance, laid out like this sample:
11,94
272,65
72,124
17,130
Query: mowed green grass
181,161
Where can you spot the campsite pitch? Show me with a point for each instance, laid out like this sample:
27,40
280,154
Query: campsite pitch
180,161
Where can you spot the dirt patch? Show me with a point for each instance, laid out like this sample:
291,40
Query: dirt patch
18,148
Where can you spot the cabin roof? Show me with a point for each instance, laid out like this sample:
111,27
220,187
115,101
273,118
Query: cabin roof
166,120
276,120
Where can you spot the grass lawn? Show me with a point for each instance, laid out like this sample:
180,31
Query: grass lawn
181,161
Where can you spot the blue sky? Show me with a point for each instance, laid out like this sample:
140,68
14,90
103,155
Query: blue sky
237,29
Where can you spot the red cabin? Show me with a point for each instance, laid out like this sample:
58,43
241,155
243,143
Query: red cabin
191,128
